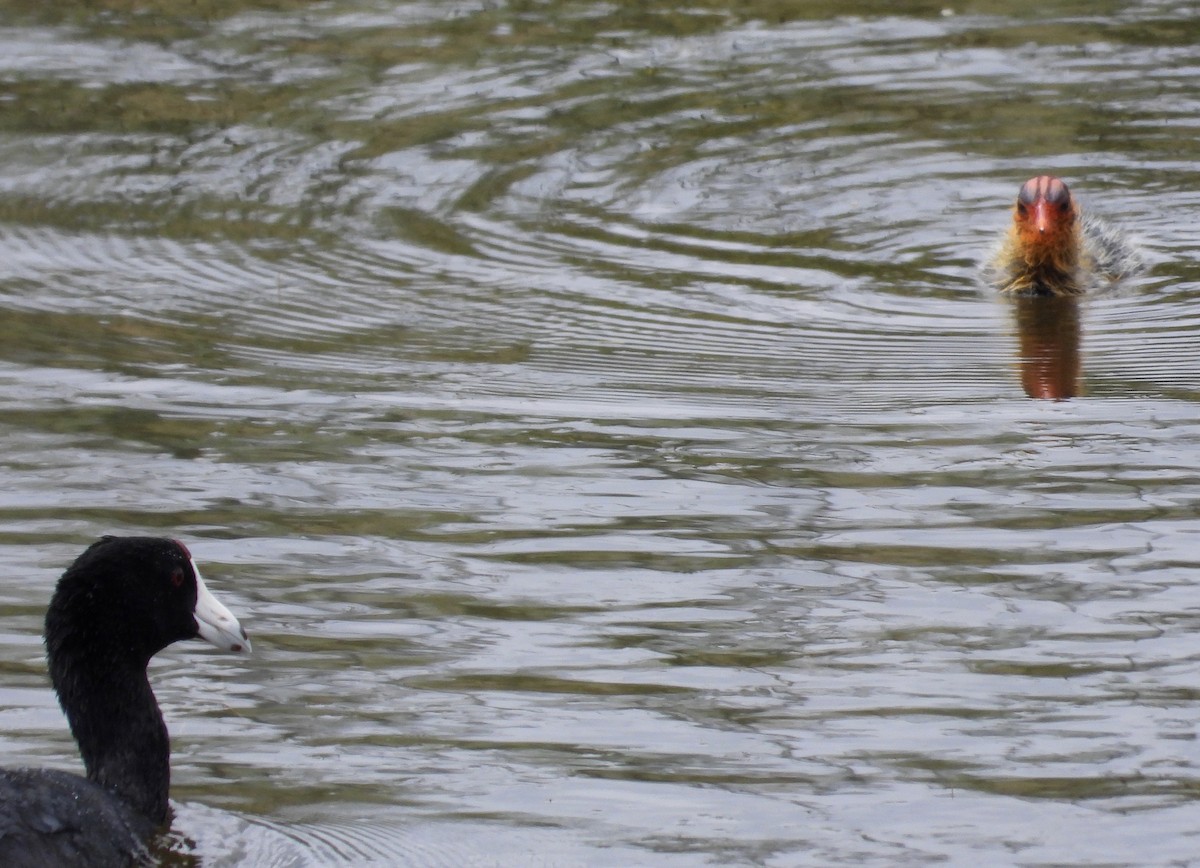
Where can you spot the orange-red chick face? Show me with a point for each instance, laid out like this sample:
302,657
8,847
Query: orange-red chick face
1045,221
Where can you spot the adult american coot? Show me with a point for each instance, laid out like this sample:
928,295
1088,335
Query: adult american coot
119,604
1052,248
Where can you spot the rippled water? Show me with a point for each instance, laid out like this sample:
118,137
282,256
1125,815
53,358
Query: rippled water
593,412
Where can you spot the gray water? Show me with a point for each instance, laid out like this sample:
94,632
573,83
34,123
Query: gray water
593,413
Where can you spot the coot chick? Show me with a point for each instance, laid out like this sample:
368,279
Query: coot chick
1052,248
119,604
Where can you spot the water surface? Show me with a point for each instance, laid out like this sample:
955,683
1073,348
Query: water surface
594,415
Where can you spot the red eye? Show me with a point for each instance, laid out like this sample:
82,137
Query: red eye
177,576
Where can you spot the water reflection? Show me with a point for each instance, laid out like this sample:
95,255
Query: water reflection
1049,338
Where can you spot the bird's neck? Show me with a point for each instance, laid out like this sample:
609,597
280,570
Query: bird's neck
1049,265
121,734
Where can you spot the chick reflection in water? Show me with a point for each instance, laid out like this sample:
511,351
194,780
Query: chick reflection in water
1051,255
1048,335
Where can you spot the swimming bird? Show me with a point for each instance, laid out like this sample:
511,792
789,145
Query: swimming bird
121,602
1052,248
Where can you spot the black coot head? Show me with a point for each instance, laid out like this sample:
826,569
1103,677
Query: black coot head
134,596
